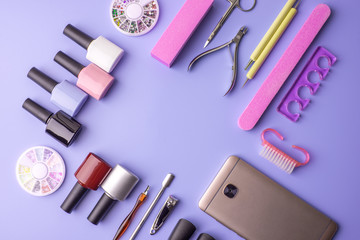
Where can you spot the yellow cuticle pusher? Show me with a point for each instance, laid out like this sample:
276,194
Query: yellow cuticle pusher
271,38
274,26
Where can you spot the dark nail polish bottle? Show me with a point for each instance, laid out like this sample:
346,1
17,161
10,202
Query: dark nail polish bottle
117,186
59,125
183,230
205,236
90,175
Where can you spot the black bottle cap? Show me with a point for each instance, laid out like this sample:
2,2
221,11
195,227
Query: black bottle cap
78,36
63,128
101,209
38,111
68,63
42,79
77,193
205,236
183,230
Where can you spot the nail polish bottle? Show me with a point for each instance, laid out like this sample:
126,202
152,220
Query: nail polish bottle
100,51
117,186
183,230
90,175
205,236
59,125
64,95
92,79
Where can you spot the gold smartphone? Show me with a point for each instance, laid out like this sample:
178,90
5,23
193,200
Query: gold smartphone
257,208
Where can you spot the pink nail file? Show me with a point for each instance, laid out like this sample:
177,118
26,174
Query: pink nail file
180,30
284,67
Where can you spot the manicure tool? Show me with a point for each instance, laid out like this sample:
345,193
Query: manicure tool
270,32
179,31
233,5
302,81
284,67
235,40
260,59
166,183
278,157
163,214
125,224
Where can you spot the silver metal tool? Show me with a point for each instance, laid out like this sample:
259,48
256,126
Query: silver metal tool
235,40
233,5
165,211
166,183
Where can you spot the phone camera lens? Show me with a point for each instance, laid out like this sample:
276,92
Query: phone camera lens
230,191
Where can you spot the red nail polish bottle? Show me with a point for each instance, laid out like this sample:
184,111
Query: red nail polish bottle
90,175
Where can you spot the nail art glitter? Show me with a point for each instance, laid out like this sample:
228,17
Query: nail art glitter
134,17
40,171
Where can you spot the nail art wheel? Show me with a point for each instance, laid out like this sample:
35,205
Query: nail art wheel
134,17
40,171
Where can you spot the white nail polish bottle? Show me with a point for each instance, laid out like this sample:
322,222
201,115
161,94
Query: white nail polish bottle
100,51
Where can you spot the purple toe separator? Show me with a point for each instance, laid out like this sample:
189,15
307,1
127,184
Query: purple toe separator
302,81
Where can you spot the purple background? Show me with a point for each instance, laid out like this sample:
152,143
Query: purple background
157,120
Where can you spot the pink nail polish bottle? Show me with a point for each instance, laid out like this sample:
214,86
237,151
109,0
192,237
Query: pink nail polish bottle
91,79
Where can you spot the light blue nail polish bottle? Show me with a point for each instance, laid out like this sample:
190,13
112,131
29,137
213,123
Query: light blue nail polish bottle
64,95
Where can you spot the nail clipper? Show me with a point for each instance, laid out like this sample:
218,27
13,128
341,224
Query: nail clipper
165,211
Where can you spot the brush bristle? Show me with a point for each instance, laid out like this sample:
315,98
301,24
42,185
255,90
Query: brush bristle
278,158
